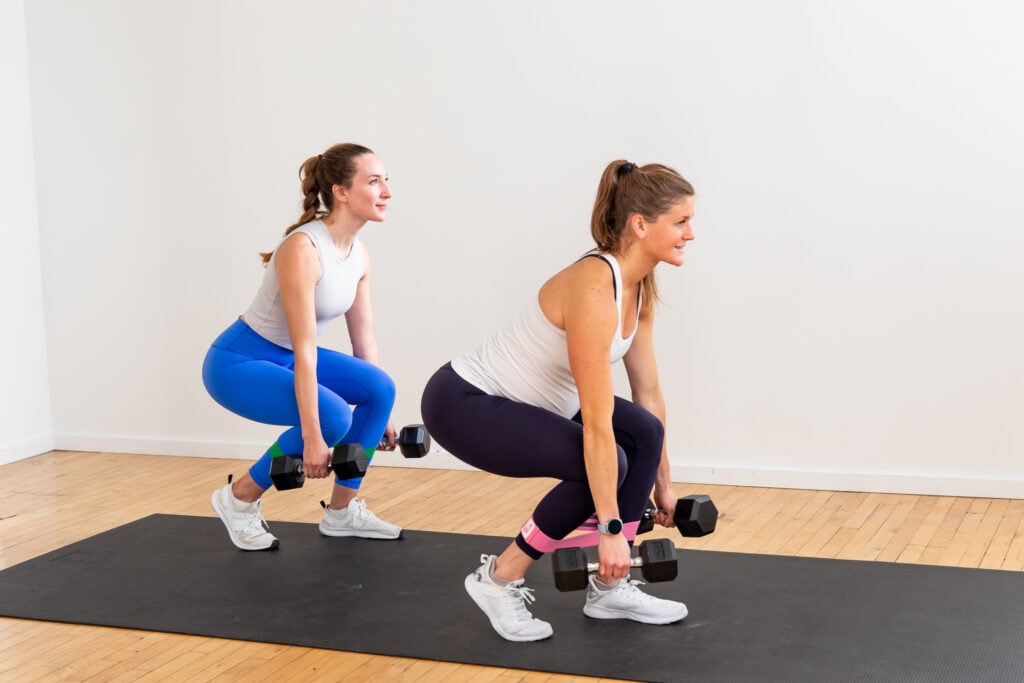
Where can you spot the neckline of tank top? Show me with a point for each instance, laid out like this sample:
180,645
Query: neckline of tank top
334,250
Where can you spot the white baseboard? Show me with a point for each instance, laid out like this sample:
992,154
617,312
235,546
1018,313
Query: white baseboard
149,446
877,482
26,449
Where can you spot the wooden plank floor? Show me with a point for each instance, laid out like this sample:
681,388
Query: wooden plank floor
57,498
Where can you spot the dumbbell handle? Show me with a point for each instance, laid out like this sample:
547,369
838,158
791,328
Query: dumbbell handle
633,562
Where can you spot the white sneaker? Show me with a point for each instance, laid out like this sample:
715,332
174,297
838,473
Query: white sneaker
245,524
627,601
356,520
506,606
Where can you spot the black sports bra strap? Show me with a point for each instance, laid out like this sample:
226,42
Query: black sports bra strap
615,285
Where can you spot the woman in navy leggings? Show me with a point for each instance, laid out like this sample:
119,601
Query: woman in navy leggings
267,366
536,400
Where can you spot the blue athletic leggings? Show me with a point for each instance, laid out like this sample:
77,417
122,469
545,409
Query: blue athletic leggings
255,378
515,439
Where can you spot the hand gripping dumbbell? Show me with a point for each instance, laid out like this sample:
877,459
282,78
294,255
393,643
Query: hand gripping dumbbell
414,441
695,516
348,461
657,562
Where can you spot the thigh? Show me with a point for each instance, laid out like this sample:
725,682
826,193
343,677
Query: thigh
353,379
499,435
255,379
636,428
259,390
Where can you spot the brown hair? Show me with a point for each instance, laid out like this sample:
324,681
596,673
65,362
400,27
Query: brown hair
319,175
626,189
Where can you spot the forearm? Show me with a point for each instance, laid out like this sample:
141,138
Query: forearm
306,388
663,481
602,464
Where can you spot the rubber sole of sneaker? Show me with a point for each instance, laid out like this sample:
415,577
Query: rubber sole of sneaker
231,534
470,580
596,612
348,533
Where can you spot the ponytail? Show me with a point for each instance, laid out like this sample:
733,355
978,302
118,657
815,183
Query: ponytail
318,176
626,189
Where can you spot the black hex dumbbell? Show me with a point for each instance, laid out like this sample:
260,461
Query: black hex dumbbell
657,562
414,441
695,516
348,461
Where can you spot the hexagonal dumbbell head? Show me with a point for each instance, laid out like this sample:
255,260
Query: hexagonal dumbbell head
286,473
414,441
647,521
571,569
696,515
348,461
658,558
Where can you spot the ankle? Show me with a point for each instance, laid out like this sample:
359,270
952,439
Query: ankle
241,505
341,496
245,491
492,574
604,586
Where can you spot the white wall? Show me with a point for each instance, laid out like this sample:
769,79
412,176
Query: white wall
850,315
25,425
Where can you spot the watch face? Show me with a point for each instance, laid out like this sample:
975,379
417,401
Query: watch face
614,526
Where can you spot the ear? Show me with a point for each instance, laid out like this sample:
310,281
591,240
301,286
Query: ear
340,194
638,226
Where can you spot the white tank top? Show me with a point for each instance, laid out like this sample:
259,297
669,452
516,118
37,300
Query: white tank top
528,360
332,297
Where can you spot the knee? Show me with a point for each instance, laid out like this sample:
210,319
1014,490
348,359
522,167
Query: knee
623,466
383,388
335,424
651,433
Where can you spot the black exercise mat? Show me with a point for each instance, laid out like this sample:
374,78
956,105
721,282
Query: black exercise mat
752,617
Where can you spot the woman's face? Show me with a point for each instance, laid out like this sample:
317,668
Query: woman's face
369,194
668,235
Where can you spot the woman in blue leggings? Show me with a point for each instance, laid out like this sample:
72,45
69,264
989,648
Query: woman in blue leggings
267,366
536,400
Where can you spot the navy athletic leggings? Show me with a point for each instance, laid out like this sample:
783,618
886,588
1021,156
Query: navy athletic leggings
255,378
515,439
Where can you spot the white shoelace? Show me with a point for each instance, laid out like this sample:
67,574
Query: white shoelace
631,585
254,522
516,597
361,512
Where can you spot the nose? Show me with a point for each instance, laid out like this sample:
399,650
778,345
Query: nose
386,193
688,233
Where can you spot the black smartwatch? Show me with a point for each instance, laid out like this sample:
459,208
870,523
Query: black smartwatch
612,526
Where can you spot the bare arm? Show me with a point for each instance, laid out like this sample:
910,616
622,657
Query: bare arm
359,319
642,370
298,271
590,318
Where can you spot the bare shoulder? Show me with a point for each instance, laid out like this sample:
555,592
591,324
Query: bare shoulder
297,257
296,245
588,275
586,284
